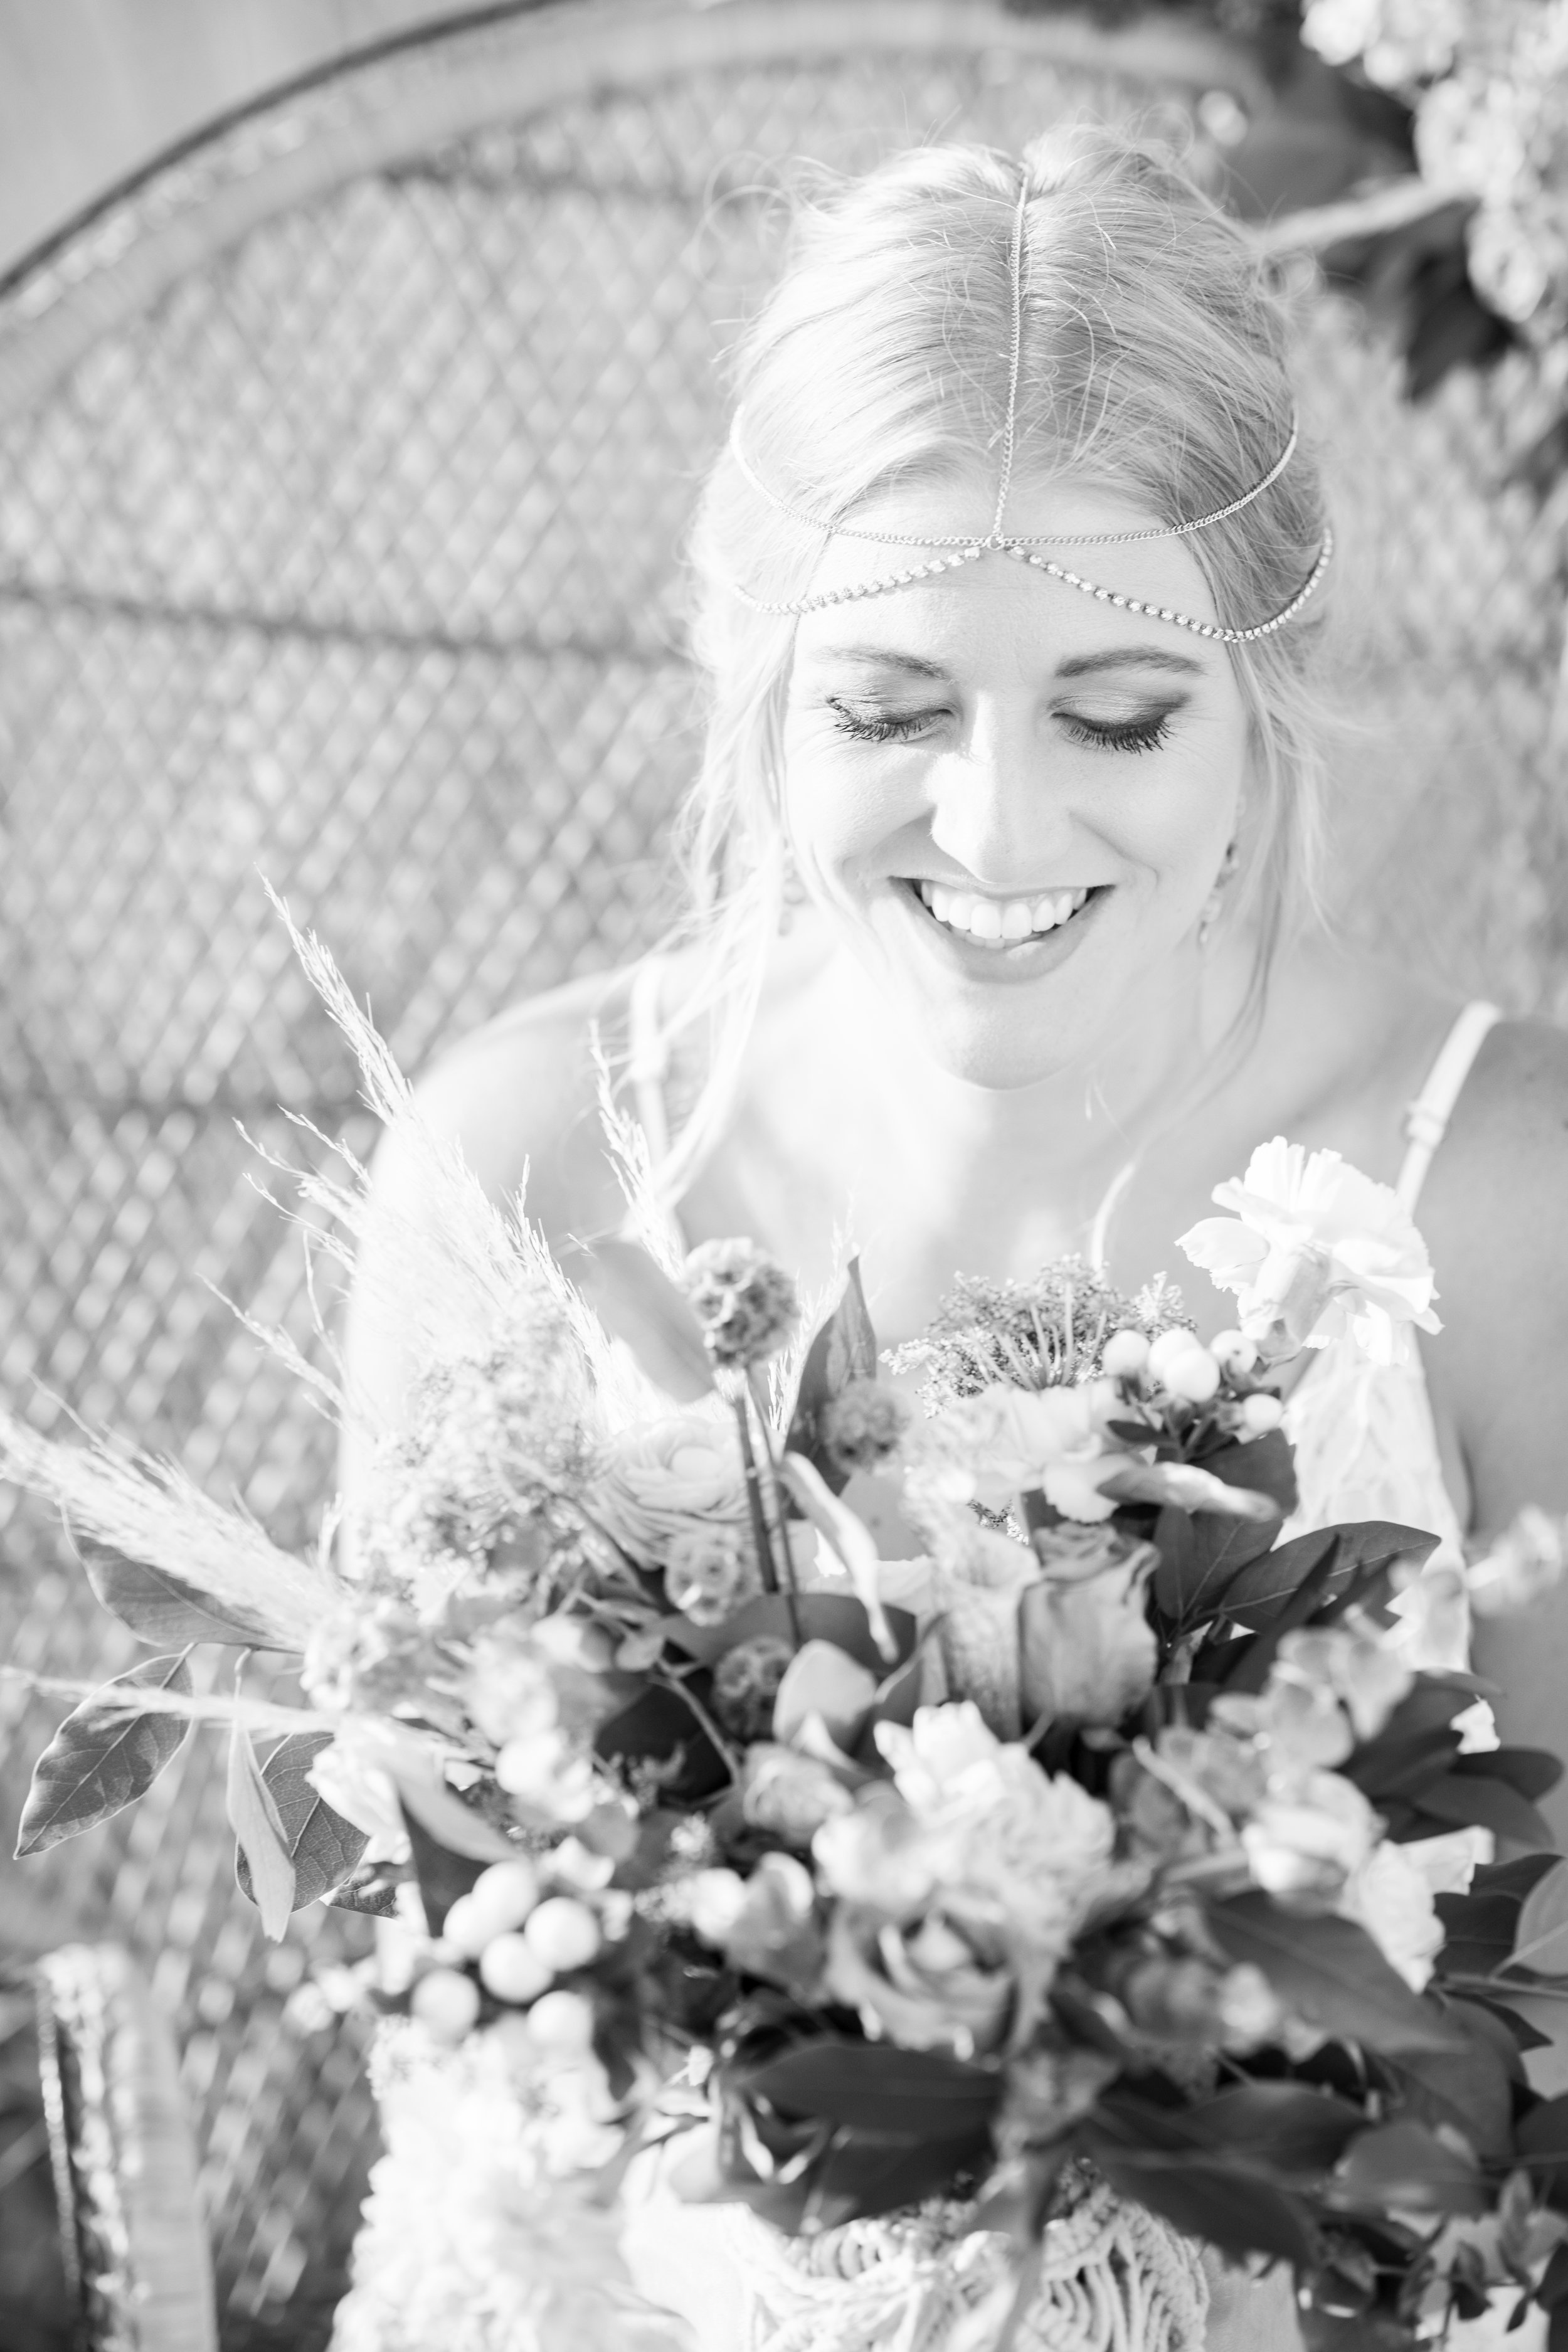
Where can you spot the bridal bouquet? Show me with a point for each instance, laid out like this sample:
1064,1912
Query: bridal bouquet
878,1806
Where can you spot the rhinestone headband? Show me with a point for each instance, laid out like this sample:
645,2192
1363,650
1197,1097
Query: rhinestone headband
965,548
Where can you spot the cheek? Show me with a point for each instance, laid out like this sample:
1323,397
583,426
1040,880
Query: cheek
842,813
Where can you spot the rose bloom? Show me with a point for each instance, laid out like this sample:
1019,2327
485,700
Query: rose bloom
1315,1249
1088,1650
789,1794
925,1987
660,1480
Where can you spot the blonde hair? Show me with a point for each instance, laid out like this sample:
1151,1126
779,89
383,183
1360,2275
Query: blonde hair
1152,359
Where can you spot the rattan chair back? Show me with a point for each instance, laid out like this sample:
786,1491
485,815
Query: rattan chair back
345,460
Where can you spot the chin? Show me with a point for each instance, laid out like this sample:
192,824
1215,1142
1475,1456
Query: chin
1006,1051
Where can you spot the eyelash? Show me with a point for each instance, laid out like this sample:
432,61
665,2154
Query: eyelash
887,727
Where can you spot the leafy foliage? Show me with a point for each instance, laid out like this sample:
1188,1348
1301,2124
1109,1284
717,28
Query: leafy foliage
102,1759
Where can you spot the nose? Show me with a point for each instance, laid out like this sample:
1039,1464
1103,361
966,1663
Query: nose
998,810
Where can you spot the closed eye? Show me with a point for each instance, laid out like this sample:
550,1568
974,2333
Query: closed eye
879,726
1144,734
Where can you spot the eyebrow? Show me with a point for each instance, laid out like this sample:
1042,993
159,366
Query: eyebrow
1076,665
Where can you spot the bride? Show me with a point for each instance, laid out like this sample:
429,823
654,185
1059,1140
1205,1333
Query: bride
1007,584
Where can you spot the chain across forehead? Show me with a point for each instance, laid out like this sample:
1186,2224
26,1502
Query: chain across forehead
955,548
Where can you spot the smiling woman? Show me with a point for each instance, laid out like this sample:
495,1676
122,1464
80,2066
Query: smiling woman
1000,943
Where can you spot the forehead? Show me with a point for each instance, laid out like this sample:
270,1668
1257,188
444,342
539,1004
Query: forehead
997,609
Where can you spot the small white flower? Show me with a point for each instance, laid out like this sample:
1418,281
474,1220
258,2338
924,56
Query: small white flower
1389,1894
1315,1250
1311,1841
1526,1561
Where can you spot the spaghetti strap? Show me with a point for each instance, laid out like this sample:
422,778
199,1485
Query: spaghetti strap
1426,1119
647,1056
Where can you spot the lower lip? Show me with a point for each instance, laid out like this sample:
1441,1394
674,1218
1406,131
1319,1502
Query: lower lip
1007,959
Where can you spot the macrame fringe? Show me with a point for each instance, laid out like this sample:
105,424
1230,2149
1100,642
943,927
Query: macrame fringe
1112,2279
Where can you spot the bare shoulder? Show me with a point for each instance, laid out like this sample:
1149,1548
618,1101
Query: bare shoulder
520,1097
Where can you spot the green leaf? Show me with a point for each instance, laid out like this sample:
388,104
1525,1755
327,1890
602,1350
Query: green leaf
1541,1938
101,1759
1540,2137
1531,1770
440,1874
1403,2164
1233,2206
1470,2090
1466,1799
637,1301
1482,1927
158,1608
1331,1971
822,1616
659,1728
1286,2126
844,1350
1250,1672
323,1848
253,1816
1269,1583
878,2090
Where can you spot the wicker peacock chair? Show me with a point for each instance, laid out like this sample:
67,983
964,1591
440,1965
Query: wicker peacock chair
343,463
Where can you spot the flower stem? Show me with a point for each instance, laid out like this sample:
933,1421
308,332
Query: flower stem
759,1518
762,1534
779,1523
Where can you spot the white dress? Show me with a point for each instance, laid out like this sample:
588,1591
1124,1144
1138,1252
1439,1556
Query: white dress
1367,1447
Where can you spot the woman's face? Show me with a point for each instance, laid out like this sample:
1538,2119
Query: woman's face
1010,800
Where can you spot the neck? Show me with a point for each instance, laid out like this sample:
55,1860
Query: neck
1072,1127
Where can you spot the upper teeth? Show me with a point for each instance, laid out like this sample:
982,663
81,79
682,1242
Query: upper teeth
1000,919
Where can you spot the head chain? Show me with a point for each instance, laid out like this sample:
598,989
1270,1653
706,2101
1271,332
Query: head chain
1003,542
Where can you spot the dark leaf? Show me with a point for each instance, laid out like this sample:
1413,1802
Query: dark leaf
1252,1669
1285,2126
1521,2031
844,1350
637,1301
1541,1943
1482,1927
1553,2287
1540,2136
323,1848
441,1876
1267,1586
369,1891
1200,1553
1405,2166
878,2090
659,1728
1472,2090
1531,1770
822,1616
1232,2207
1469,1799
101,1759
1331,1971
158,1608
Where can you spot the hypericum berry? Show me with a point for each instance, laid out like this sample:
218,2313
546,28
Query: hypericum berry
1235,1351
563,1934
504,1894
513,1971
1183,1367
1260,1414
445,2002
1125,1355
561,2022
465,1930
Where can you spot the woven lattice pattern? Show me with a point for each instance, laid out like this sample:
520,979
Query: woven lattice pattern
352,560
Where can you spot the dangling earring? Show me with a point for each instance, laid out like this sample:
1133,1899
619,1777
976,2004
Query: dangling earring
794,894
1213,905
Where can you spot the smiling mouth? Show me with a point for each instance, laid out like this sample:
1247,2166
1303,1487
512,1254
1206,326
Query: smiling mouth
1003,923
